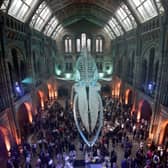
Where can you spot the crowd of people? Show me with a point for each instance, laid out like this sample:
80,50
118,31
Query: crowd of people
54,139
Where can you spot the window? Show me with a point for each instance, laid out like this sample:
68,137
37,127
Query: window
89,45
83,42
99,66
50,27
68,66
159,6
144,9
41,16
56,31
83,37
108,30
99,44
20,9
68,45
125,17
115,27
78,45
4,5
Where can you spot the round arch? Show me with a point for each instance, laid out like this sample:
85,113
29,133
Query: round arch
128,97
163,131
24,117
40,99
148,48
5,145
144,110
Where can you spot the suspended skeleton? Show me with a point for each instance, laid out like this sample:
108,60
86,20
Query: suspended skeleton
87,100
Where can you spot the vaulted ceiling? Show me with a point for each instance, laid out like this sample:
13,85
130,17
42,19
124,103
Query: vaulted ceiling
116,16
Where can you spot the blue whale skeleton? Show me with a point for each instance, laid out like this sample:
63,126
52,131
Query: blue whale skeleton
87,103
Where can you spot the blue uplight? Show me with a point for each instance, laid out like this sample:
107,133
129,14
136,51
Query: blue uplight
18,89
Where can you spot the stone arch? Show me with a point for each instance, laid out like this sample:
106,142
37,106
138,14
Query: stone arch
40,99
144,72
5,145
144,110
163,131
128,97
38,61
120,66
15,57
24,117
34,61
130,65
116,87
149,57
148,48
156,68
22,70
151,64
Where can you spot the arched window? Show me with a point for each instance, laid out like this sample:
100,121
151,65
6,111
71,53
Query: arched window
83,37
144,72
156,71
151,64
78,45
15,62
82,42
99,44
89,45
68,44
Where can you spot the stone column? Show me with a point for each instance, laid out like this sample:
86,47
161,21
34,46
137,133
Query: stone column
6,80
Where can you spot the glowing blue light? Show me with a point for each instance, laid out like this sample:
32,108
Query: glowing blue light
150,86
18,89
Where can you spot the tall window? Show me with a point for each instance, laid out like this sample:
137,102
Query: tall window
20,9
83,37
99,44
89,45
82,42
78,45
68,45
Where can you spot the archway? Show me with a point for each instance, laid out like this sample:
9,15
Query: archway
144,110
24,118
5,145
40,100
128,97
163,137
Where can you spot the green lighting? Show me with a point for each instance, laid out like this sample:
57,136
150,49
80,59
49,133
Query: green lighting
109,71
27,80
68,75
58,72
101,75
